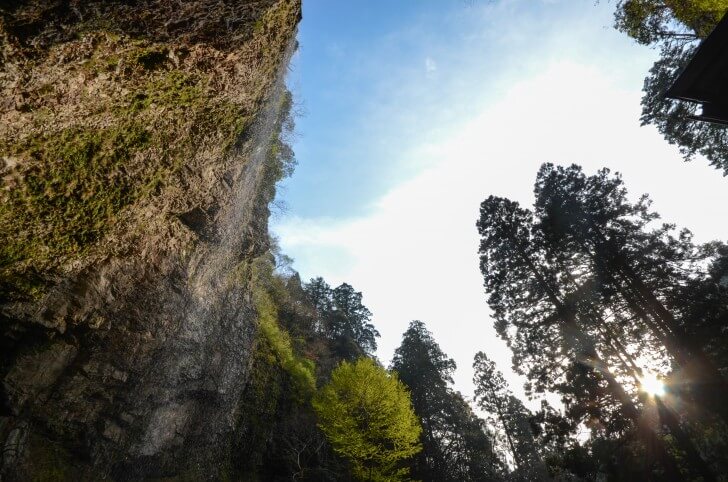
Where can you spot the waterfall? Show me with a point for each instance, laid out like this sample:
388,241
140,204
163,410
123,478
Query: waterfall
192,387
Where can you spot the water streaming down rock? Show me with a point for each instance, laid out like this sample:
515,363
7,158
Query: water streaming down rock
149,383
197,377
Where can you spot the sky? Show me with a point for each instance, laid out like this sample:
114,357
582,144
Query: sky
413,112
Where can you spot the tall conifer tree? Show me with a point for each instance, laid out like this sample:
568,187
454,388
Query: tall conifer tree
455,443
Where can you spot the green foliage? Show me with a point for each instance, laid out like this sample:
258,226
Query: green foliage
259,407
650,21
367,417
278,438
301,370
280,158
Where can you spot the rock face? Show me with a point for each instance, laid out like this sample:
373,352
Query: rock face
136,182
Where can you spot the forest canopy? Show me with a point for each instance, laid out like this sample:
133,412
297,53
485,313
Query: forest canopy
621,315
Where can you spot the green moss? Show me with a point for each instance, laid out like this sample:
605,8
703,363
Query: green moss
67,199
187,93
299,369
234,123
74,183
101,63
174,89
79,179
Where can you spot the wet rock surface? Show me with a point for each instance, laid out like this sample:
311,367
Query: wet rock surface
130,361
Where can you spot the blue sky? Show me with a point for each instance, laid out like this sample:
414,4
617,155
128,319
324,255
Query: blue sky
371,73
415,111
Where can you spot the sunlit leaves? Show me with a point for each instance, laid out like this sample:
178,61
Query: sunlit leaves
367,417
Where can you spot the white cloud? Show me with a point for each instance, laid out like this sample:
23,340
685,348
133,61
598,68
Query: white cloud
415,255
430,65
496,105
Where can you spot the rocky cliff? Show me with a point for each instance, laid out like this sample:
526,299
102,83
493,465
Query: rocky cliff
136,163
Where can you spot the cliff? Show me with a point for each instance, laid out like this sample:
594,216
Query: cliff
138,155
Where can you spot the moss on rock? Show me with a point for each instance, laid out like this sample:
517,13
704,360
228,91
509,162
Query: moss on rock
106,117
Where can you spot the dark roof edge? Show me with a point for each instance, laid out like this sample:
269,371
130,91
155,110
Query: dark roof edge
710,46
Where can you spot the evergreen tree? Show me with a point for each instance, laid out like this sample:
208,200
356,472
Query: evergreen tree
511,416
350,319
470,451
343,319
456,446
636,268
539,319
542,295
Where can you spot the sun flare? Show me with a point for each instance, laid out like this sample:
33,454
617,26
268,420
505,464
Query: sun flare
652,385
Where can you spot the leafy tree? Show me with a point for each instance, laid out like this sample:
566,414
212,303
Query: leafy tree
367,416
278,437
280,158
455,444
675,27
651,21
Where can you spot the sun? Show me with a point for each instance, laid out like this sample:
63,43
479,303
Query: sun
650,384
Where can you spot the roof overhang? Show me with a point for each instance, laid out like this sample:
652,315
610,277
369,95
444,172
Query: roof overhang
705,79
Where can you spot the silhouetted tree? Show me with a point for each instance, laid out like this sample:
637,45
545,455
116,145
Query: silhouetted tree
577,289
508,412
589,226
455,444
342,319
537,318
